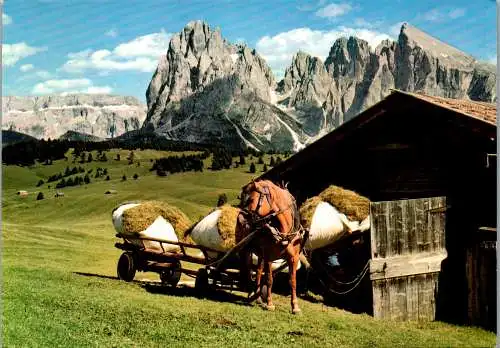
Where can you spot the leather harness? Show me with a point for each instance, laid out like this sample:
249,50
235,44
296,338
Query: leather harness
260,222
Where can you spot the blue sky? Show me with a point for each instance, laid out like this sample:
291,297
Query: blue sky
101,46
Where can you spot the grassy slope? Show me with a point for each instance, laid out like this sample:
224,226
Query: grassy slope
58,255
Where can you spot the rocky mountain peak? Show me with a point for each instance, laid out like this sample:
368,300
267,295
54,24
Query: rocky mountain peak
206,89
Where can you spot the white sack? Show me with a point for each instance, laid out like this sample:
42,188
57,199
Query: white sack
118,216
160,229
206,233
327,227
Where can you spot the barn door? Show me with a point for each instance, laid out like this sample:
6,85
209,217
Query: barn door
407,249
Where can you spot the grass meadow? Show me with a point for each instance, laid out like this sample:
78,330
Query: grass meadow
60,287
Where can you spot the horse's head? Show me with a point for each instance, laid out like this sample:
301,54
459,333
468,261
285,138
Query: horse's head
256,199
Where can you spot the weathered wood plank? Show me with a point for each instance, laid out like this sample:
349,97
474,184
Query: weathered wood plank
420,226
401,266
398,298
377,299
381,300
398,227
426,231
436,223
387,213
379,229
374,235
432,221
412,227
412,297
426,298
404,234
442,225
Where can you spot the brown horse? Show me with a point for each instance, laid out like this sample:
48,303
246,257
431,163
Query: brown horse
272,211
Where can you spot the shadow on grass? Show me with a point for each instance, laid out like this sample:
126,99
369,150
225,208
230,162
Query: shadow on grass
184,290
95,275
181,290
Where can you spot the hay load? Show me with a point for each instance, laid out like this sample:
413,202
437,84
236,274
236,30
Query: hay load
332,214
217,230
151,219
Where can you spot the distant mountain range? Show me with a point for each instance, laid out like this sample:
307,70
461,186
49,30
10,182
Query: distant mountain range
101,116
206,90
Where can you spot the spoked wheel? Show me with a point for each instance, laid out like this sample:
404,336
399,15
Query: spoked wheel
172,275
126,267
201,283
263,293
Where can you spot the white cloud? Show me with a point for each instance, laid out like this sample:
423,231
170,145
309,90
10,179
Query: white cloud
432,15
69,86
111,33
456,13
278,50
6,19
334,10
311,7
152,45
140,54
493,60
54,86
12,53
26,67
43,74
90,90
436,15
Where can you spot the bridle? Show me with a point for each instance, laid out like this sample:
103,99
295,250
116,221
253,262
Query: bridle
258,221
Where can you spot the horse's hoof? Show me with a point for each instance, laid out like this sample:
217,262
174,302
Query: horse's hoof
296,311
270,307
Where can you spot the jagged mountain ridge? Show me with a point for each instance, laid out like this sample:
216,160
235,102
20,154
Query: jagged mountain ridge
208,90
51,116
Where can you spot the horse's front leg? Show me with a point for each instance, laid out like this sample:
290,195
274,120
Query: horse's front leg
260,269
293,262
269,271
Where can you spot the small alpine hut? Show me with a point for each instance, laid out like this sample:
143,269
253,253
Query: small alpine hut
428,166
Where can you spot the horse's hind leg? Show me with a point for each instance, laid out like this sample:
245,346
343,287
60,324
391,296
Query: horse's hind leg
269,272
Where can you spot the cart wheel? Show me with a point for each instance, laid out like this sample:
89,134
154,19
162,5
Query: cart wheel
201,282
263,293
126,267
172,275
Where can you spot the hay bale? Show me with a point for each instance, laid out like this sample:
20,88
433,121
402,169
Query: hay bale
226,225
350,203
217,230
138,218
307,210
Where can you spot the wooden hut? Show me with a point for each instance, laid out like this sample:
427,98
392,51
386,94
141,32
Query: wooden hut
424,154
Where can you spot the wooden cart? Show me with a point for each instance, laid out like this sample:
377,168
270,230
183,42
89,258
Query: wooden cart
221,270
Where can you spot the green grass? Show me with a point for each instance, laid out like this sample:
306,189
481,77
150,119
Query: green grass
59,264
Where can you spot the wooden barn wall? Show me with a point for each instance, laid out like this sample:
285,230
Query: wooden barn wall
407,251
417,153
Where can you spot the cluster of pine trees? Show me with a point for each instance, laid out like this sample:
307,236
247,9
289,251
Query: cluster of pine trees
73,181
177,164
